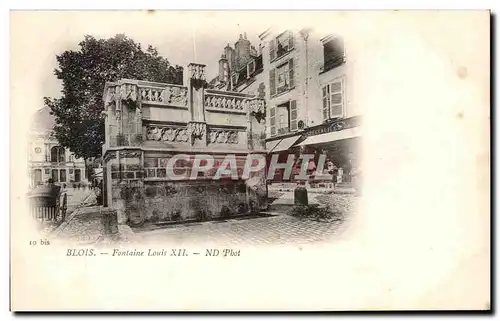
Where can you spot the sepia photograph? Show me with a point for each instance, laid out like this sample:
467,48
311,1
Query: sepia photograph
246,161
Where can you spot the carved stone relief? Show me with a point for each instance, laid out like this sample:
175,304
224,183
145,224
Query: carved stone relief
171,95
197,71
130,154
109,156
128,92
223,137
197,131
213,101
167,133
110,96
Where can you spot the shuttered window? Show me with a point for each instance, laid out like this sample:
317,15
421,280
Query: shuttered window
333,99
282,78
326,102
336,98
293,115
273,120
272,82
283,44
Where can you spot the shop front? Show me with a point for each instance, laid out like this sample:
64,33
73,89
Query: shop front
283,147
334,147
340,142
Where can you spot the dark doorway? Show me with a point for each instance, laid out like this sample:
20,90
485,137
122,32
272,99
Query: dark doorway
55,175
62,175
78,175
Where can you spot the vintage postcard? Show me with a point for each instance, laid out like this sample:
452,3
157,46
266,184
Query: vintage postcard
250,161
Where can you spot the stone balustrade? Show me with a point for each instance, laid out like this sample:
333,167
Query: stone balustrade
169,95
215,100
147,93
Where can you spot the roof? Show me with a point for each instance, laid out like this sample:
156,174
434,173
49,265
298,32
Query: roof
42,120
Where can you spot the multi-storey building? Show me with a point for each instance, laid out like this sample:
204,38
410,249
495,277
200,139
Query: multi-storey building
241,70
46,158
307,81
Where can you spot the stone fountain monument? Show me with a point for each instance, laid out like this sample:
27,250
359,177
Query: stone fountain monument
149,123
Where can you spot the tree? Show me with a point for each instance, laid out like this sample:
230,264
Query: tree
79,121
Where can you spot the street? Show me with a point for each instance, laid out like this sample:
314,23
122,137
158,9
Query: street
276,228
76,197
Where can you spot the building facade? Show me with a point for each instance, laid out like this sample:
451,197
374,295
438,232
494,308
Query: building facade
47,159
241,70
306,79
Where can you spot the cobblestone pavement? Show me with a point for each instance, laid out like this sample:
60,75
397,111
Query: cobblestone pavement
277,229
83,226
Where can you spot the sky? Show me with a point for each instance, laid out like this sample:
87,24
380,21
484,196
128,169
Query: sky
37,37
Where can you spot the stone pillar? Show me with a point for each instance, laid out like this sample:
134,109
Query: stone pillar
197,126
129,186
124,168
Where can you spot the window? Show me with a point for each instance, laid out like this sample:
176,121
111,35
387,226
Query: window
273,120
333,52
281,79
57,154
38,176
333,99
293,115
283,118
281,45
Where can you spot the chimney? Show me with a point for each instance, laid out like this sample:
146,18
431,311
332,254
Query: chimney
242,48
223,67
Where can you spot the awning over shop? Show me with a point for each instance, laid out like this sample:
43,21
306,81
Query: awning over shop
270,145
285,144
333,136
